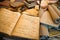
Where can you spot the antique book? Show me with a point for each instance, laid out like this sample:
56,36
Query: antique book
56,9
47,20
53,14
15,24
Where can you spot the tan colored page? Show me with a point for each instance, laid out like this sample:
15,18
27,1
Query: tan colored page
27,27
8,20
32,12
46,19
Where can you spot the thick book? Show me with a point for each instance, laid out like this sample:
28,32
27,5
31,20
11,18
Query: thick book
20,25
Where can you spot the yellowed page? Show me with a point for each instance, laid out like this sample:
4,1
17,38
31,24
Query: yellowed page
27,27
8,20
32,12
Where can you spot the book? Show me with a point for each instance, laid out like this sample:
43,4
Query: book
21,25
46,19
54,14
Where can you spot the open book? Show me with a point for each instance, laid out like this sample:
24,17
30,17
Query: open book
15,24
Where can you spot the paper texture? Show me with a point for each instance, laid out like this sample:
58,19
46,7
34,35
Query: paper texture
8,20
27,27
